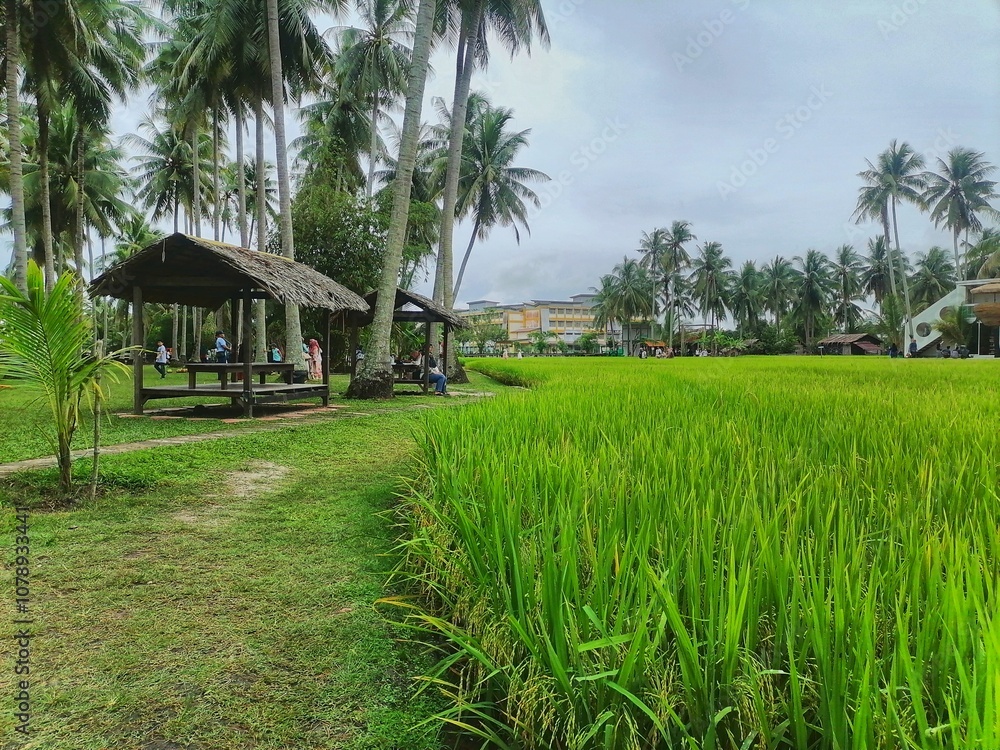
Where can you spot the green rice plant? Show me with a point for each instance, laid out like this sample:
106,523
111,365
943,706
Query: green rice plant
737,554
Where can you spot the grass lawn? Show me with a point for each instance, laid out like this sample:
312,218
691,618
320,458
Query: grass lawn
24,421
221,594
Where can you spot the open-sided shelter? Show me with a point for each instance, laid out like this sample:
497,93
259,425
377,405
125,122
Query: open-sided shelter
408,307
186,270
851,343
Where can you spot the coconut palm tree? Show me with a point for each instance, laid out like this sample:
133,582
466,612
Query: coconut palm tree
675,261
12,62
898,176
516,23
982,258
372,62
934,277
633,293
86,184
375,377
492,189
44,335
710,274
89,51
814,289
746,296
847,267
959,192
779,279
653,248
877,274
164,169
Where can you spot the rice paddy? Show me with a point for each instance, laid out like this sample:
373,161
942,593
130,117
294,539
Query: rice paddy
725,553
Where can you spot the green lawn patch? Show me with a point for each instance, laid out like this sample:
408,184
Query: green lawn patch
221,595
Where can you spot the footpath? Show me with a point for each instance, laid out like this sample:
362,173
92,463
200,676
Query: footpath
261,424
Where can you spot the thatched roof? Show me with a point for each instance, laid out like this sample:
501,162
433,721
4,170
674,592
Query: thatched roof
409,307
194,271
850,338
991,288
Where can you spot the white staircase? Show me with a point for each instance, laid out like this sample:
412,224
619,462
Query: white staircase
923,323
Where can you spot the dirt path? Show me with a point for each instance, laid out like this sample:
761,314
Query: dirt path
264,424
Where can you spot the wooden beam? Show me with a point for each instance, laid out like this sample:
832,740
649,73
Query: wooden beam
426,357
187,281
326,359
137,356
247,345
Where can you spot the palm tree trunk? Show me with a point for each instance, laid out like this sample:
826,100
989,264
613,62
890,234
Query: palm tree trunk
902,271
46,198
241,185
196,178
80,187
261,223
216,136
293,326
373,148
375,378
444,292
888,252
11,13
173,333
465,65
183,351
958,262
468,252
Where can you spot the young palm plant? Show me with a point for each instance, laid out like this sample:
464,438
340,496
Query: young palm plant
42,347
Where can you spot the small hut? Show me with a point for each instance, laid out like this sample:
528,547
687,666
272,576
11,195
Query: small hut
408,307
851,343
986,303
186,270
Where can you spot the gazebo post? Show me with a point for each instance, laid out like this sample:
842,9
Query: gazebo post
247,356
444,347
352,346
137,341
427,353
326,359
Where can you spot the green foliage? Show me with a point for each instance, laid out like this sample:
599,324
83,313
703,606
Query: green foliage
541,341
956,326
725,554
42,348
339,235
588,343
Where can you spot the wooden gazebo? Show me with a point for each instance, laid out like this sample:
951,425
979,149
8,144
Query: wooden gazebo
408,307
186,270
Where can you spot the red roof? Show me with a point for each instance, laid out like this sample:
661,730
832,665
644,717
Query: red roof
870,348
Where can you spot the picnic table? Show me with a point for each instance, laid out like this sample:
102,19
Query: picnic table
407,370
227,371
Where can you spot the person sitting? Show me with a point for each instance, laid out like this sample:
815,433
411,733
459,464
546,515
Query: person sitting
954,353
435,376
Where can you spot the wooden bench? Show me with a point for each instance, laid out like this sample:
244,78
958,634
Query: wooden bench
227,371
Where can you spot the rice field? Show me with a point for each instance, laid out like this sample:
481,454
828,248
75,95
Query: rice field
724,553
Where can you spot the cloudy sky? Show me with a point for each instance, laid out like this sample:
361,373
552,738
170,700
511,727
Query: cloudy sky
748,118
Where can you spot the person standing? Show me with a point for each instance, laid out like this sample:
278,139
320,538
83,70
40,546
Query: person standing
222,347
913,347
161,359
315,360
